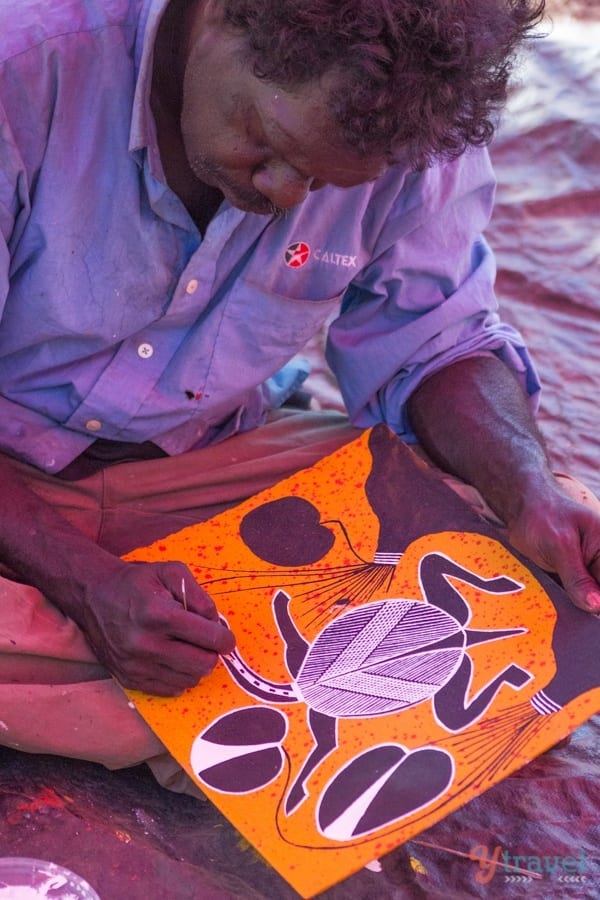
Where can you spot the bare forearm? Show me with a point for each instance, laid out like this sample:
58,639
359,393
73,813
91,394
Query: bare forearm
41,546
473,420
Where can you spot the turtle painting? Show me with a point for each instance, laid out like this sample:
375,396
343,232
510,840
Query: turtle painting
396,657
385,656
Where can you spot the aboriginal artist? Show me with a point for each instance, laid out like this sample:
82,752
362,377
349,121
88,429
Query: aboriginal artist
189,190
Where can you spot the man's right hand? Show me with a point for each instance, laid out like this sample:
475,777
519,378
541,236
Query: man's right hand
138,628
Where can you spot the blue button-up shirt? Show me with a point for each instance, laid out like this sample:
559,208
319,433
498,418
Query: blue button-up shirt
119,320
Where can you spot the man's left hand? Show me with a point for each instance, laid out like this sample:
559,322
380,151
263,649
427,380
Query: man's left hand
563,536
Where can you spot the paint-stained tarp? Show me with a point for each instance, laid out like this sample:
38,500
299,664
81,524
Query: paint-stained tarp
134,841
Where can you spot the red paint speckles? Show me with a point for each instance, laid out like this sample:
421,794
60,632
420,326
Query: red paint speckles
44,799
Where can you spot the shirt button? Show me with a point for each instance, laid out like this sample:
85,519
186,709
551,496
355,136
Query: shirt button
93,425
145,351
192,286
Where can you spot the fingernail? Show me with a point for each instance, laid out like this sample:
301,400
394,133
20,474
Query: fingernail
594,601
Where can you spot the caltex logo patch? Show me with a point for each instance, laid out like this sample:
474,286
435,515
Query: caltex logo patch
297,255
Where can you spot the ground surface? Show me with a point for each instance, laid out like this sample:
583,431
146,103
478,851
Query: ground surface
132,840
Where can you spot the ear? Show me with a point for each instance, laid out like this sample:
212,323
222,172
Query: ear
210,11
203,17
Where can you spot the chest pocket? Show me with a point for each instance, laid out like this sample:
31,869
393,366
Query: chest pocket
267,328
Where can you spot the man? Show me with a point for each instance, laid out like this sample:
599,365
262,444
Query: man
187,191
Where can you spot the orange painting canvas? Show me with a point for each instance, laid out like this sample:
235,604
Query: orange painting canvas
395,658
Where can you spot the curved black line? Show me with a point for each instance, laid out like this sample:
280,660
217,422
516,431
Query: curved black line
346,536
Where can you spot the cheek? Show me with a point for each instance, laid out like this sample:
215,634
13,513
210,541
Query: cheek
210,133
191,131
199,115
207,136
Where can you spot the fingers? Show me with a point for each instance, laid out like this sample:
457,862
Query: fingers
195,599
187,638
140,631
204,628
581,588
191,628
158,663
562,535
577,562
181,584
581,578
592,559
155,676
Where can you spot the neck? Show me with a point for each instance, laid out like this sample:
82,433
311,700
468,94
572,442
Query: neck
170,56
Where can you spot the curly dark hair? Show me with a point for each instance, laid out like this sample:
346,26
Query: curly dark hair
429,76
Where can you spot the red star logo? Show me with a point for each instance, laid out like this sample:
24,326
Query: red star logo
297,255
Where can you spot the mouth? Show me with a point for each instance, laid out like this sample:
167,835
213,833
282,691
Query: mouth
252,204
245,198
249,201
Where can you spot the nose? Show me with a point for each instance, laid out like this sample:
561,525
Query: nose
280,183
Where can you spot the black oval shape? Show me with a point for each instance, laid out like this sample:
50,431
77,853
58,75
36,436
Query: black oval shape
247,727
355,779
245,773
414,780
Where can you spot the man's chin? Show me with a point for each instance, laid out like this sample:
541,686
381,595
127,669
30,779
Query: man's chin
258,205
248,200
241,198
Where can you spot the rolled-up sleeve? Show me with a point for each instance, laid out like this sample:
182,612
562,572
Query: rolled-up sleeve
427,297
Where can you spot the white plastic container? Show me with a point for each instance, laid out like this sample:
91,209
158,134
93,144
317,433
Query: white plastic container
34,879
